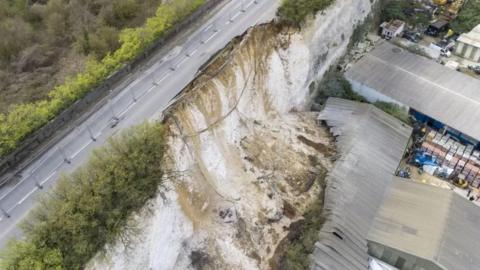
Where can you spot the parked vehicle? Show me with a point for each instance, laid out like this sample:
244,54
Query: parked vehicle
445,53
412,36
475,69
421,158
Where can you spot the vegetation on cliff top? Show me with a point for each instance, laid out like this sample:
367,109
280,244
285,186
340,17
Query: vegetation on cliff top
90,208
296,11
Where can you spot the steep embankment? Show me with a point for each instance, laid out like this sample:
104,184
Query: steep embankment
246,159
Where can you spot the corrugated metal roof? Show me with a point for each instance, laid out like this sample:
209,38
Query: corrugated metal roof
429,222
370,144
433,89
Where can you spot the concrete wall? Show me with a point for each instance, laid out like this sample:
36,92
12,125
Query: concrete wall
36,144
395,257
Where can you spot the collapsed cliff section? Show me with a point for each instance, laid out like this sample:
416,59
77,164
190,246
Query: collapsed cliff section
252,159
246,158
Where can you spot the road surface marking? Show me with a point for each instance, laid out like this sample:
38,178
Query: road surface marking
235,16
212,36
127,109
208,27
182,61
161,80
26,196
192,53
81,149
48,177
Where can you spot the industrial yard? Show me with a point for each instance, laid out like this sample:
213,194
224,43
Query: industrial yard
441,30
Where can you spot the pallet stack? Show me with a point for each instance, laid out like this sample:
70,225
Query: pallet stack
462,159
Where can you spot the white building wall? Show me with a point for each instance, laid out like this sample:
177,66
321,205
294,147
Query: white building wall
476,58
372,95
468,52
459,49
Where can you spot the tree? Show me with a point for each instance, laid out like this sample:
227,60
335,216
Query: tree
394,10
468,18
16,35
296,11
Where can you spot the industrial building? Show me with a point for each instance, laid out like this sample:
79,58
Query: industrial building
371,144
421,227
468,45
439,96
373,216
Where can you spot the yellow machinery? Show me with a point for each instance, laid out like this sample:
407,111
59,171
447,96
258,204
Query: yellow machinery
461,183
455,7
440,2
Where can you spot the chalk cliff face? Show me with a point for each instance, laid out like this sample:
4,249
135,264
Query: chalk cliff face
245,157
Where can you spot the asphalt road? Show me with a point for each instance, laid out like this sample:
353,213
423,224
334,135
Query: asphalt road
145,97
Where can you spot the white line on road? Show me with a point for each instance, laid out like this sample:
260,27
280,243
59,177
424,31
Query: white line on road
81,148
208,27
150,89
49,177
192,53
127,109
26,196
212,36
235,16
182,61
162,79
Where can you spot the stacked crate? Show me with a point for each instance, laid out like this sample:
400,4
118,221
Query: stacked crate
462,159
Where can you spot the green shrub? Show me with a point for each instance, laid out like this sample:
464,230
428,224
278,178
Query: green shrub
394,110
394,10
334,84
90,208
302,246
24,119
468,18
295,11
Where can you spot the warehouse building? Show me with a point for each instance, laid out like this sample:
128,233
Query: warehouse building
373,217
434,94
468,45
371,144
420,227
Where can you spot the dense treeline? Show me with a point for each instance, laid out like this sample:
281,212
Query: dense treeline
295,11
23,119
91,207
